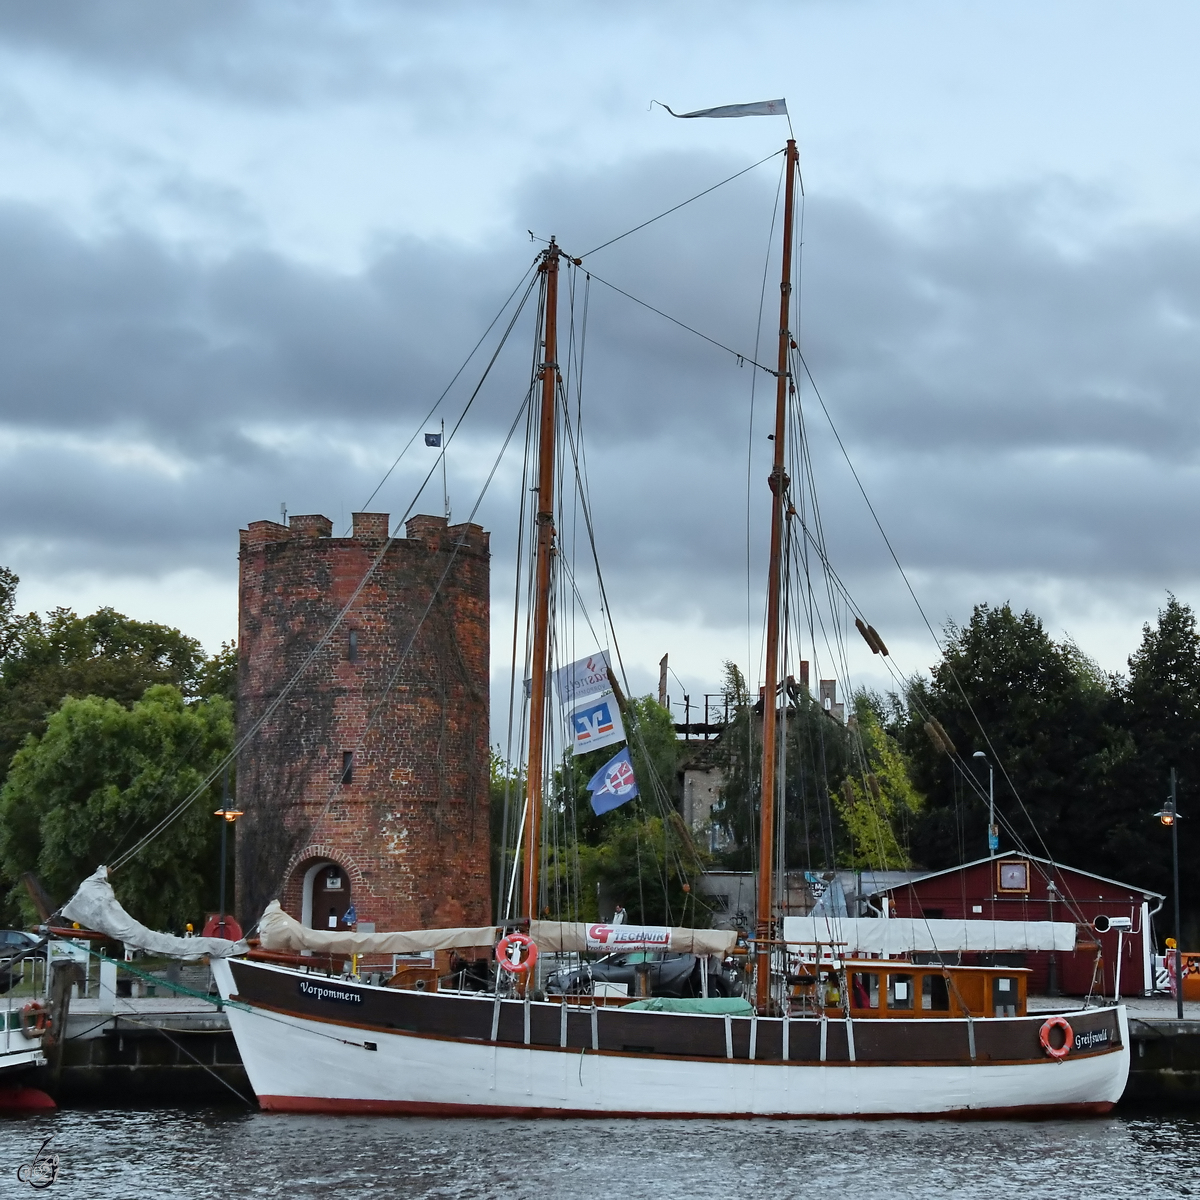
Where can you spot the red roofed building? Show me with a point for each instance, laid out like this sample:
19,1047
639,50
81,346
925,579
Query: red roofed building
1022,887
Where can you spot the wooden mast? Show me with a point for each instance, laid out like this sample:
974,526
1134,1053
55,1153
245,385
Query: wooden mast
778,483
541,612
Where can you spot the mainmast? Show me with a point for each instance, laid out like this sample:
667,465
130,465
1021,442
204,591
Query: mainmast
541,611
779,484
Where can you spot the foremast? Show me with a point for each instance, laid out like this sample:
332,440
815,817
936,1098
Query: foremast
778,482
544,553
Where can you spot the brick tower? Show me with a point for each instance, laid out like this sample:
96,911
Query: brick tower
356,792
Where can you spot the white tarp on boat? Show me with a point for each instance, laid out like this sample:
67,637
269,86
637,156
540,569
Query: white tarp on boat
579,937
278,931
902,935
95,906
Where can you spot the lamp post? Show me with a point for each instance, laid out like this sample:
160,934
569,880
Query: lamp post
1170,816
230,815
993,832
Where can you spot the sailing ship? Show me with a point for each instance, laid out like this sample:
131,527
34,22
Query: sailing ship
824,1035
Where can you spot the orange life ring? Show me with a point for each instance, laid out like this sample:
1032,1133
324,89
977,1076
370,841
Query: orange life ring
1068,1037
35,1020
517,953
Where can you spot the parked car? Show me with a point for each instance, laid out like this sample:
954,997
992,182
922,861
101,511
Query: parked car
668,974
13,941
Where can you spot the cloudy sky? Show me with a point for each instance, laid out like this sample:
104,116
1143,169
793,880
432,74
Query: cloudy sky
246,245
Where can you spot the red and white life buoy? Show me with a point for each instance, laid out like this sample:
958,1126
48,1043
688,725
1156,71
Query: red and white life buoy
35,1020
1060,1052
517,953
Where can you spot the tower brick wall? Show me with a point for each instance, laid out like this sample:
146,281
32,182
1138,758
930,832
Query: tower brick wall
409,830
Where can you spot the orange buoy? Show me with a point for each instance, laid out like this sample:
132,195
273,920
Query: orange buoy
35,1020
517,953
1060,1052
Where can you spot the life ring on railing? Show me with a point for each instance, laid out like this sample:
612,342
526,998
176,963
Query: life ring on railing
517,953
1061,1052
35,1020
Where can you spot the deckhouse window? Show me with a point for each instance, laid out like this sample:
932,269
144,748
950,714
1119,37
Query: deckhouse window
935,993
900,991
864,990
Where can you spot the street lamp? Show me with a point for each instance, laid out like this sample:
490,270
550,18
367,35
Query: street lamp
1170,816
230,815
993,829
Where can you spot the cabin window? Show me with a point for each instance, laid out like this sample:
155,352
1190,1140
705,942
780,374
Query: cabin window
864,990
1004,997
1013,876
933,914
347,766
935,993
352,646
900,991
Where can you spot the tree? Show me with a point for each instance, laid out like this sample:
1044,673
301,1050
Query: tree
1047,718
102,775
1161,712
13,628
847,800
105,654
877,803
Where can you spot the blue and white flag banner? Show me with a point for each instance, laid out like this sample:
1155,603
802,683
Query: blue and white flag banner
595,722
613,784
587,677
760,108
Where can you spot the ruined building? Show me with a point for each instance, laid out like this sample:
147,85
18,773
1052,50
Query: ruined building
365,792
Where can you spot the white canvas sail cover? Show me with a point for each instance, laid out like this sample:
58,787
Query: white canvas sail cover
95,906
579,937
902,935
278,931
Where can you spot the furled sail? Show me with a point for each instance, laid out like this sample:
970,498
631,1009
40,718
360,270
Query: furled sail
278,931
902,935
580,937
95,906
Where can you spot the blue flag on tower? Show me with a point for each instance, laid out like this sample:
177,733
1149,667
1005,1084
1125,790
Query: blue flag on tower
433,439
613,784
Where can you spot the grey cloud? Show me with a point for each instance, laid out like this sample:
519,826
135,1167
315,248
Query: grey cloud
1014,407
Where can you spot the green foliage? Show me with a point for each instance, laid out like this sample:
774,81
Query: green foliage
1054,725
105,654
100,776
218,675
877,805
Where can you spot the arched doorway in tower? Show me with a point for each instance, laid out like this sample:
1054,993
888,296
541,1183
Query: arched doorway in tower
327,899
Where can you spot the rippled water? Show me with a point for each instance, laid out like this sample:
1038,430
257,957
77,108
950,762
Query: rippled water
198,1153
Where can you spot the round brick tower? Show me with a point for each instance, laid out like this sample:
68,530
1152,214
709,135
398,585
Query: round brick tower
356,793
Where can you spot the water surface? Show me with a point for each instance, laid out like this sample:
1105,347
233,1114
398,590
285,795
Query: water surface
189,1154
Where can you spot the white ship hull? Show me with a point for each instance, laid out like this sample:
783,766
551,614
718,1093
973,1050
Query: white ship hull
303,1065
